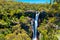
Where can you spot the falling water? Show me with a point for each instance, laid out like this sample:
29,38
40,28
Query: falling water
34,27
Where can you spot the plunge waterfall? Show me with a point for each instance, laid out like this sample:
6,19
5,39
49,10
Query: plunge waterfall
34,24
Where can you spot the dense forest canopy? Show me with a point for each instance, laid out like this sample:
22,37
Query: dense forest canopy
15,23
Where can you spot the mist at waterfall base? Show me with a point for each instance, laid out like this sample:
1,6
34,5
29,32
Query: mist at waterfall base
34,24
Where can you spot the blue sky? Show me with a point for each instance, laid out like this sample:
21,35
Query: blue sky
34,1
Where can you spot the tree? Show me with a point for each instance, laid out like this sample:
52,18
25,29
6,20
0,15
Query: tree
51,1
58,1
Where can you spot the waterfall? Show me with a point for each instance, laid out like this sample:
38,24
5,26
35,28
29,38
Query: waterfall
34,26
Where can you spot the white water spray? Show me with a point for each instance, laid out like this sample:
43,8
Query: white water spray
34,26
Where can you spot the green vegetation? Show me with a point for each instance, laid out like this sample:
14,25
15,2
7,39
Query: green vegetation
15,24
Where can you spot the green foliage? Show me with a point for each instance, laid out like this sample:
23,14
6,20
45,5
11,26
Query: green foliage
2,37
47,30
22,36
15,25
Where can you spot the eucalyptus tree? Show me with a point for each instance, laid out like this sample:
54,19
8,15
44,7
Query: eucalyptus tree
51,1
58,1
